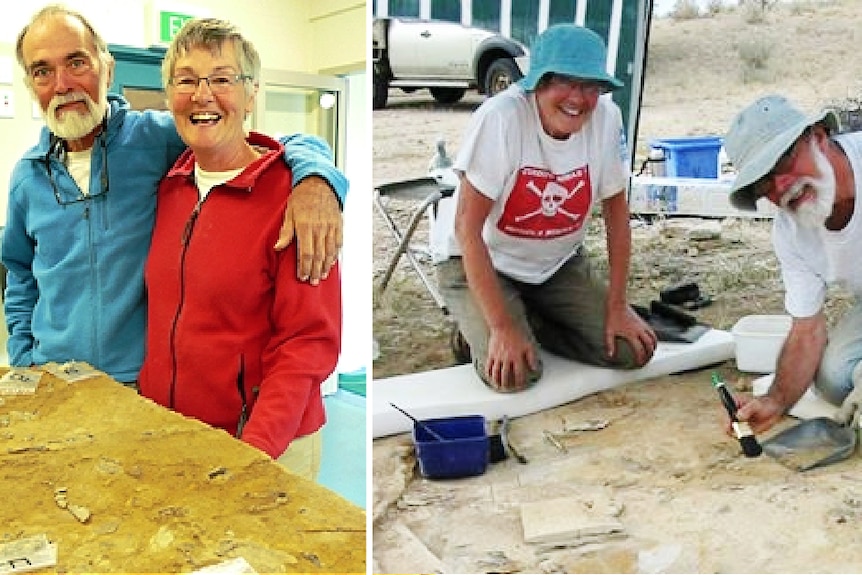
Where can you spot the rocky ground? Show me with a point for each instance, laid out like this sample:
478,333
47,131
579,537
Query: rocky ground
121,485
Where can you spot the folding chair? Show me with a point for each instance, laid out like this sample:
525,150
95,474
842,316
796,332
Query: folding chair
426,192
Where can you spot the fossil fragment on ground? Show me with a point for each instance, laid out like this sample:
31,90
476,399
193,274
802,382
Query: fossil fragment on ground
79,512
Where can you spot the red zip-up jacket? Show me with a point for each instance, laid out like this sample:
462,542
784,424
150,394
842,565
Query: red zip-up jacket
232,334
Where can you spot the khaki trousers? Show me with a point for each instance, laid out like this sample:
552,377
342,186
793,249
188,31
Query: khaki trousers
565,315
302,457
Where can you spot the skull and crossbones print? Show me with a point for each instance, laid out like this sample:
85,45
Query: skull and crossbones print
552,197
546,205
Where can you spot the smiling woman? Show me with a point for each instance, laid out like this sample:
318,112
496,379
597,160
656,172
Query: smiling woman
210,81
244,345
535,162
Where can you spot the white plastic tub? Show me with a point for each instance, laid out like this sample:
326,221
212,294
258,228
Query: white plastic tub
758,341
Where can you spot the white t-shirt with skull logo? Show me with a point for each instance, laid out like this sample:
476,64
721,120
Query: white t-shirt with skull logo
544,189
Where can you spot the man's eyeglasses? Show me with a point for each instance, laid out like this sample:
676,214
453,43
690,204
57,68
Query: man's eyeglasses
764,186
43,75
218,83
57,149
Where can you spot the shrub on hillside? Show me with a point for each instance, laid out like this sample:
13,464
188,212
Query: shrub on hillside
755,54
685,10
754,11
714,7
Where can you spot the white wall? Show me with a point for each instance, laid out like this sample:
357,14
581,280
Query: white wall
279,28
22,130
356,256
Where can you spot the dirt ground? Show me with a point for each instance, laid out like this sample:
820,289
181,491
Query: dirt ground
674,494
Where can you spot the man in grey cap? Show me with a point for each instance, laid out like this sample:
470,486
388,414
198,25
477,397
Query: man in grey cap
534,163
796,162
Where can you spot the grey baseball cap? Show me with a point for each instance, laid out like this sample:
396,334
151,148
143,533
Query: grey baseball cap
569,50
758,137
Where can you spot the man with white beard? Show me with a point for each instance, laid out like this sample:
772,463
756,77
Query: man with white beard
82,205
797,163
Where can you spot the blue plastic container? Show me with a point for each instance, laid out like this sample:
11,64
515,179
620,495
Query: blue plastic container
690,157
463,453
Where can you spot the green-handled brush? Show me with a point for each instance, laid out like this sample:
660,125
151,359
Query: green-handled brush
750,446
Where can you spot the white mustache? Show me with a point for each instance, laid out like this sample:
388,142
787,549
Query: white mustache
796,190
825,177
62,99
813,213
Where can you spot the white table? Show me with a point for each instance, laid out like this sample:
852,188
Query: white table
690,197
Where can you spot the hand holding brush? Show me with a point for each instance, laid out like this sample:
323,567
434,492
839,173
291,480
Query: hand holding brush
749,444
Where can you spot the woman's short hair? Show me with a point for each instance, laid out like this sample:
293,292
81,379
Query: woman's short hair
211,34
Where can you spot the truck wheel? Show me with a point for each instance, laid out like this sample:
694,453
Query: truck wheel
501,74
381,86
381,94
447,95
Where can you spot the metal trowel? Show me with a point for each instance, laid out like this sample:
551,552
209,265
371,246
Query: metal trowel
812,443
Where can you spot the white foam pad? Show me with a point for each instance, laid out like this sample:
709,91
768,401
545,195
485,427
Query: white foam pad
458,390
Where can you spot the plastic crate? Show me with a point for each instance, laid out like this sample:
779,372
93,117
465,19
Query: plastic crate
463,453
758,341
690,157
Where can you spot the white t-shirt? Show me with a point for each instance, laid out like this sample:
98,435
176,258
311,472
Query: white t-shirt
544,189
206,181
78,164
812,259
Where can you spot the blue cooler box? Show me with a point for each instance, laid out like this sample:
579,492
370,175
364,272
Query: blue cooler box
690,157
464,451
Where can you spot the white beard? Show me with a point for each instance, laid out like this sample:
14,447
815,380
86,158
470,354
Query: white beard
813,213
71,125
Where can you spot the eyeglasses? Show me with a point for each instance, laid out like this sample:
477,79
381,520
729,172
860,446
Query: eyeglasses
588,88
764,186
218,83
57,149
43,75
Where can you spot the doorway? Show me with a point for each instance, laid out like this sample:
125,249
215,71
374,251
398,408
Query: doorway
293,102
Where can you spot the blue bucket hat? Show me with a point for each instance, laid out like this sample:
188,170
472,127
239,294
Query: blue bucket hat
569,50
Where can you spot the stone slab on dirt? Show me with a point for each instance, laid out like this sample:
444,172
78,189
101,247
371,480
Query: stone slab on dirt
566,520
163,493
685,497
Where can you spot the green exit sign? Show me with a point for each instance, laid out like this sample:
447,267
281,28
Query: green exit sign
170,24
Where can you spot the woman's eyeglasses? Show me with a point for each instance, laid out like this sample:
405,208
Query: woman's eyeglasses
588,88
218,83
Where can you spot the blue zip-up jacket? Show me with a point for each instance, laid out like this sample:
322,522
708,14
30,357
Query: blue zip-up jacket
75,285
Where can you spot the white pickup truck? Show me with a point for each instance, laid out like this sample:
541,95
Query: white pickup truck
445,57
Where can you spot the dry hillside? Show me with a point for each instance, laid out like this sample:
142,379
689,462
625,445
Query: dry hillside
701,71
